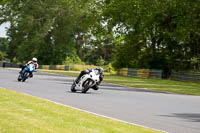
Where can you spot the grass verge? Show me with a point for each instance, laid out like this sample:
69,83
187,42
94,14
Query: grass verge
21,113
178,87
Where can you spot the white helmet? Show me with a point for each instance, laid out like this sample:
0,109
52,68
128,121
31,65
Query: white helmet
101,70
34,59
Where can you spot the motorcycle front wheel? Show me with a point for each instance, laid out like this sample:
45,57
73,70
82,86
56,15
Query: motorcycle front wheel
25,76
86,85
19,78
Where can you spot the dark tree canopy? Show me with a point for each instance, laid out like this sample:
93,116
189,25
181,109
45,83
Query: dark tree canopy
155,34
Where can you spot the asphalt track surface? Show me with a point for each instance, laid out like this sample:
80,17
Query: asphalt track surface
169,112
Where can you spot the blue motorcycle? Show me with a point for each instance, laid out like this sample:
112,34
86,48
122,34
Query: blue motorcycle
26,72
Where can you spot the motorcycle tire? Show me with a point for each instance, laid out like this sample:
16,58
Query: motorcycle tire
86,86
19,78
24,80
25,77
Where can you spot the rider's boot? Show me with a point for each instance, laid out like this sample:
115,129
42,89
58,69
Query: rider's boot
74,85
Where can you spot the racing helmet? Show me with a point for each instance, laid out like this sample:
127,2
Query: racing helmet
34,59
100,70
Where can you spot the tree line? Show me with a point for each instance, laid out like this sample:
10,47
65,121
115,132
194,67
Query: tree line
154,34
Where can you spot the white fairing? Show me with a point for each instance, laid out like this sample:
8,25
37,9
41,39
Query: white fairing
93,75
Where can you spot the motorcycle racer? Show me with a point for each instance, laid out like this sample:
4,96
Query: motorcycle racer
33,61
87,71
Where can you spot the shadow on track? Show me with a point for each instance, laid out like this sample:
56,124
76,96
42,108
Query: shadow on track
192,117
78,92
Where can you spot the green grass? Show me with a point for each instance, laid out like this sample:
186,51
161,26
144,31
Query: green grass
178,87
21,113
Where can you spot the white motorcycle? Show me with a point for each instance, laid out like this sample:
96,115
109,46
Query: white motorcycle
86,82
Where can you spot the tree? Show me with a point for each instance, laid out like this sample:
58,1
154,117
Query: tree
44,29
156,34
100,61
3,48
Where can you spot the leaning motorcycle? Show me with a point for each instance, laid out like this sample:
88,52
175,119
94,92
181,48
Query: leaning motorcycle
26,72
86,82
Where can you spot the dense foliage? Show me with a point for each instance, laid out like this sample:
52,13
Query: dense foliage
155,34
3,48
42,28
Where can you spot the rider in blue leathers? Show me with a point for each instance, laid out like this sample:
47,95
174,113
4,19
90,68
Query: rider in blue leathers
33,61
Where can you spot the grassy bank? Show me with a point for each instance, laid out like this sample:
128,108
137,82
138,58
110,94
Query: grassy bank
151,84
25,114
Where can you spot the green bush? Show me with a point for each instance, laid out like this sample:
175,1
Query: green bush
100,61
80,67
2,56
75,60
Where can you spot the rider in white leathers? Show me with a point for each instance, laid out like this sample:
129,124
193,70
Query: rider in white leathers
100,70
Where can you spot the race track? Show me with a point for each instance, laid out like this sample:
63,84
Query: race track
163,111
